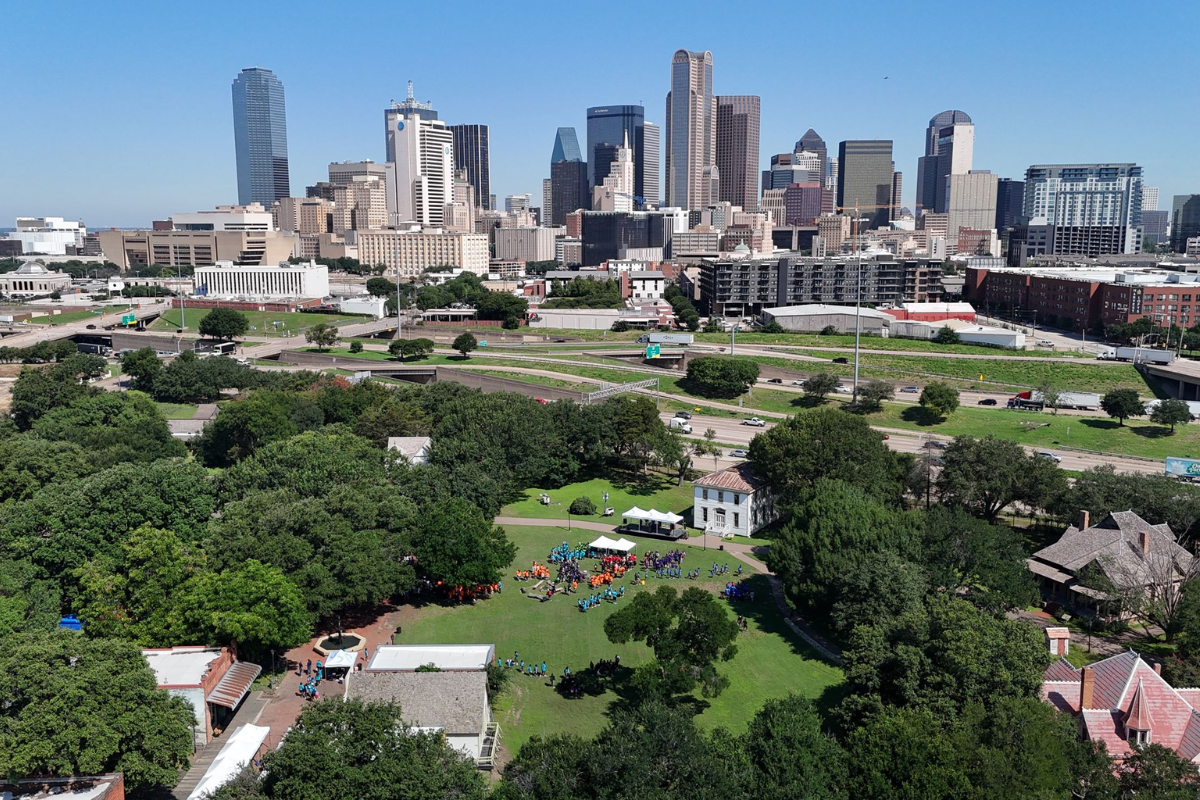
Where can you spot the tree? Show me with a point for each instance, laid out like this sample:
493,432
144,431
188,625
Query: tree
381,287
939,398
27,463
978,561
828,330
773,327
76,706
189,379
356,347
826,443
689,633
415,348
1051,396
253,605
582,507
790,755
457,546
872,393
143,366
1171,412
1156,772
225,324
1122,403
310,465
464,343
883,585
393,417
111,428
723,377
946,335
820,385
1155,498
40,390
986,475
365,750
323,335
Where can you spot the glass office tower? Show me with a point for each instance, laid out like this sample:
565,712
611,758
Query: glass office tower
610,125
260,137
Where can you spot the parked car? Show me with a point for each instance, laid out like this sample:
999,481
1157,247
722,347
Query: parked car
739,453
683,415
1045,343
988,401
1047,454
841,360
774,380
754,422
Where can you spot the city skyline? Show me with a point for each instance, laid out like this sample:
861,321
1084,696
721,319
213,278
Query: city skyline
112,172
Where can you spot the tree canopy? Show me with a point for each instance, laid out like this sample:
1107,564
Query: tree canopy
987,474
722,377
1122,404
225,324
939,398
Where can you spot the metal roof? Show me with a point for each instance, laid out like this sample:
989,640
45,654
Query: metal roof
234,686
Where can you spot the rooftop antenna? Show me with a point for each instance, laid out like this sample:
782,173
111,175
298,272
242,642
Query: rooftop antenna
410,92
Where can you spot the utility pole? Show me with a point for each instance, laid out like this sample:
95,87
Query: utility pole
857,324
398,305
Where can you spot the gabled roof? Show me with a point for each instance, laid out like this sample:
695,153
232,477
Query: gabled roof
1060,670
1115,543
738,478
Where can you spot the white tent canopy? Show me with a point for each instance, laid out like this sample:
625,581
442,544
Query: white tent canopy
653,515
603,543
341,658
239,750
624,545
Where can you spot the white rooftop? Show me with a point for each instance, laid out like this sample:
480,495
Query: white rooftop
443,656
814,309
237,753
934,308
181,666
409,446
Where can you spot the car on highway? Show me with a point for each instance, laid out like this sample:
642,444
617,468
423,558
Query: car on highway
797,383
886,437
910,390
935,444
988,401
739,453
754,422
541,400
91,327
683,415
841,360
1057,459
842,388
774,380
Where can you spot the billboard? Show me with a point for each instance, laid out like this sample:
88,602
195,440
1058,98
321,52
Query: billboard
1184,467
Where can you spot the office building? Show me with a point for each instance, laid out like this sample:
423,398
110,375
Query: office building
970,202
1185,221
173,248
307,216
1149,198
569,189
1083,194
865,181
802,203
260,137
612,125
737,148
547,200
360,204
566,146
611,235
789,168
405,254
834,230
420,163
1010,197
228,280
773,202
651,165
526,244
897,192
52,236
691,132
615,192
1155,225
343,172
518,202
741,287
949,150
472,155
812,143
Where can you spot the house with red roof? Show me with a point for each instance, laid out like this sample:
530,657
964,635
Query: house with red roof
732,502
1125,703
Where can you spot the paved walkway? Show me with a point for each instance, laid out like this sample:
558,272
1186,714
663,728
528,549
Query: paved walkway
742,552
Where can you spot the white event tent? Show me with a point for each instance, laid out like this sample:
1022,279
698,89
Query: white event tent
239,751
621,545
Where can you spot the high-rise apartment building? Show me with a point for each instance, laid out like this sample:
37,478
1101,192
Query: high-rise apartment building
1149,198
737,148
260,137
949,150
1185,221
691,132
547,200
1073,195
970,203
471,154
420,155
1010,197
651,165
865,179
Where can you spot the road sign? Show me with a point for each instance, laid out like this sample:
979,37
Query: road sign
128,319
483,343
653,350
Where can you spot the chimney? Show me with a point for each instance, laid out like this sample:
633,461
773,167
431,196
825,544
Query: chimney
1158,669
1087,688
1083,521
1144,541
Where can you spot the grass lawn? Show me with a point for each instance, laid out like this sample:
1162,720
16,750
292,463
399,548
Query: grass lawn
656,491
71,316
1136,438
261,322
770,662
540,380
177,410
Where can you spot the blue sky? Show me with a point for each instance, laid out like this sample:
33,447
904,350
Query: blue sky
118,113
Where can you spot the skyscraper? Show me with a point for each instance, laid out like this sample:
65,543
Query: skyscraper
260,137
1149,198
949,150
865,178
1010,196
568,177
1185,220
610,125
566,146
420,163
737,149
1084,194
810,142
897,191
471,155
691,131
651,164
970,203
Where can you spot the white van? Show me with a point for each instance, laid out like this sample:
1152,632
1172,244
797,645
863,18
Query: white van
680,424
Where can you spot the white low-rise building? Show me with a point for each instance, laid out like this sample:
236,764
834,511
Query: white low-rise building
815,317
968,332
647,285
733,501
32,279
228,280
412,450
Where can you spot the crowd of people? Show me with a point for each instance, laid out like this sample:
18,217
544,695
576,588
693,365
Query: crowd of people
738,591
608,594
655,561
532,669
536,572
309,689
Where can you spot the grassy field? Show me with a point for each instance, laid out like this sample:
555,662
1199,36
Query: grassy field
1136,438
656,491
67,316
770,661
261,322
177,410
